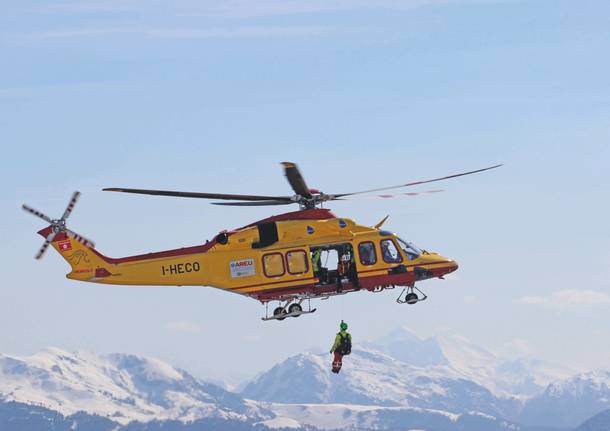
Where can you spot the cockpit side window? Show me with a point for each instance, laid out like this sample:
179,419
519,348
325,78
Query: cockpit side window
410,249
367,253
389,252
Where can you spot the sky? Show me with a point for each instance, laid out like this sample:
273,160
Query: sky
212,96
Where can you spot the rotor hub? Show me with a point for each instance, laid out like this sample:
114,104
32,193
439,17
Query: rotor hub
314,201
58,225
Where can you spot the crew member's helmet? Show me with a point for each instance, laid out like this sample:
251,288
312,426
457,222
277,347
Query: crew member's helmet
343,326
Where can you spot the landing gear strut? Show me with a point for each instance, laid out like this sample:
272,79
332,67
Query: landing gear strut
291,308
411,296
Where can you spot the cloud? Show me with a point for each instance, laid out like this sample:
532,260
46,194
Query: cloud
183,326
186,33
246,8
180,19
237,8
568,299
174,33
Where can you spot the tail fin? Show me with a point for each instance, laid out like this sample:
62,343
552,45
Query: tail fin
86,262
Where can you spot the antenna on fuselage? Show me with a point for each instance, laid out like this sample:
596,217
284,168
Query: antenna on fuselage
378,225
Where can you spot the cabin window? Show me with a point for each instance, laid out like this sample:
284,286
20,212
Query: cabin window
389,252
368,256
297,262
273,265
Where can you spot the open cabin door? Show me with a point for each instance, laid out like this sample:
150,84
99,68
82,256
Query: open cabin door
334,264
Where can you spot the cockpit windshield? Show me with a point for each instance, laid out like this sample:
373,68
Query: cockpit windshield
410,249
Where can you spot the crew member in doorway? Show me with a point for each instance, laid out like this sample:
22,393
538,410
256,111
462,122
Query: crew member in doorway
352,273
315,262
341,347
347,268
318,270
342,266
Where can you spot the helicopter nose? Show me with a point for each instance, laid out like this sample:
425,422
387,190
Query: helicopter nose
441,265
450,266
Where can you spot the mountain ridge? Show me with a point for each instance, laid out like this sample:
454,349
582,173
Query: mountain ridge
502,376
121,387
374,390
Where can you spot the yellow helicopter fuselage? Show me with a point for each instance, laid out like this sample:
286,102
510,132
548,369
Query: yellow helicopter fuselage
268,260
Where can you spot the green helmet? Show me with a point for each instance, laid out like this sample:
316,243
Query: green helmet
343,326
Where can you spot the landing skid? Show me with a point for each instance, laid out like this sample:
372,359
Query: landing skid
293,314
291,308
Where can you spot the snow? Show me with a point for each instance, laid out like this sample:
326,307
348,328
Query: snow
431,378
281,422
323,416
591,381
461,377
345,416
463,354
519,378
159,370
368,377
123,388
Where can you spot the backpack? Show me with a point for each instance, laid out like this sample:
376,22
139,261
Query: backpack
345,345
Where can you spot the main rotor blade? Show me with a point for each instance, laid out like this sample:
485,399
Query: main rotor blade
294,177
37,213
413,183
200,195
394,195
45,245
70,206
253,204
80,238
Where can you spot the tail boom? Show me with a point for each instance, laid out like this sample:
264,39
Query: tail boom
180,267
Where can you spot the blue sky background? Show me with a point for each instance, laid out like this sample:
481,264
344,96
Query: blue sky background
208,96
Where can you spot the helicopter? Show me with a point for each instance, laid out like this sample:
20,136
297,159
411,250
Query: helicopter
290,258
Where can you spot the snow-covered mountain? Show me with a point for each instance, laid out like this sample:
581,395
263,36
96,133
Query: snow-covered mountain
353,417
397,382
373,378
59,390
23,417
122,388
571,401
445,372
520,377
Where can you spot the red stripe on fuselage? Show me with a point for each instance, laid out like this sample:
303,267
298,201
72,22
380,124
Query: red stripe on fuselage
159,254
366,283
156,255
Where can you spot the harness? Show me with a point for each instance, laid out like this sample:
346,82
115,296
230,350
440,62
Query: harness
345,345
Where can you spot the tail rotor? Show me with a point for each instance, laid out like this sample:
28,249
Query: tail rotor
70,206
59,226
